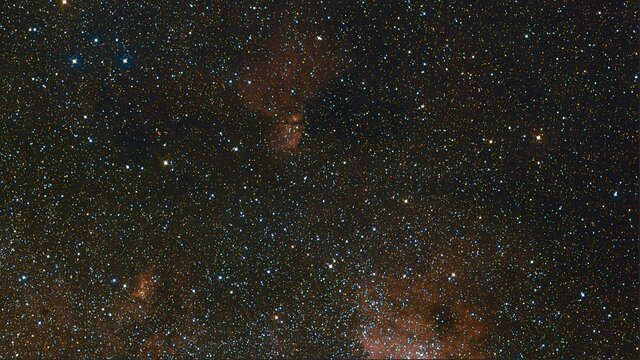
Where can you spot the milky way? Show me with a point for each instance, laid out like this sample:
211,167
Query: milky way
323,180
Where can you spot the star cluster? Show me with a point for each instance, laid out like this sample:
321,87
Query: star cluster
328,180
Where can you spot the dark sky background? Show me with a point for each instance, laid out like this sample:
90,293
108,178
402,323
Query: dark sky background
325,179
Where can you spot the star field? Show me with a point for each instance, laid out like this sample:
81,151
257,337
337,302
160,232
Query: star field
355,179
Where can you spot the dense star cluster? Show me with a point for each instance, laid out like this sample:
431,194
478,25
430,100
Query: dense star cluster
334,179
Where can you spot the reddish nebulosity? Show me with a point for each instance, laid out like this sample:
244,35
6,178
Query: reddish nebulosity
145,286
419,319
292,67
136,305
144,302
288,134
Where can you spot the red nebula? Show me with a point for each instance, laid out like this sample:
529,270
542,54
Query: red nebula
276,81
416,319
